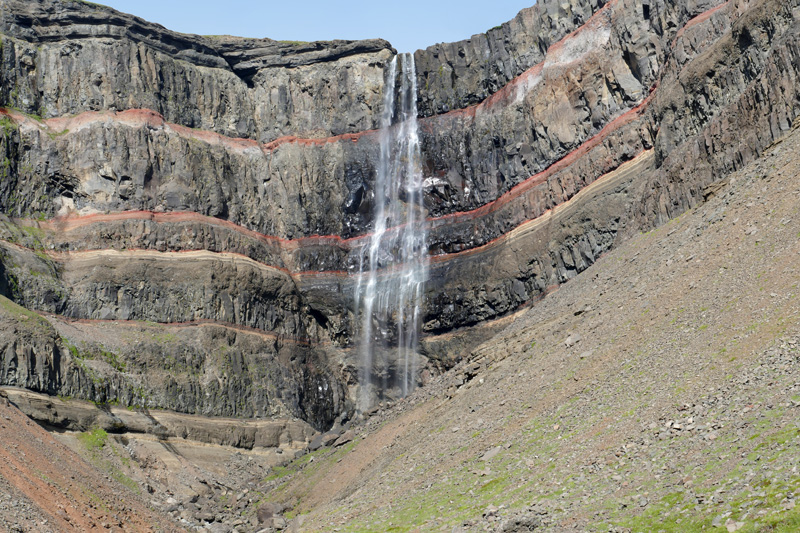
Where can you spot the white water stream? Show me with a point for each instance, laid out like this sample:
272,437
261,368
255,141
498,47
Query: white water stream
394,266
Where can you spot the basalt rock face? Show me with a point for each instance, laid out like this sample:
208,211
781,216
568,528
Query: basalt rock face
225,185
238,343
457,75
134,160
66,57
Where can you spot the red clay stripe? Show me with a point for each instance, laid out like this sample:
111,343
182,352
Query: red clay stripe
148,117
702,17
504,93
71,222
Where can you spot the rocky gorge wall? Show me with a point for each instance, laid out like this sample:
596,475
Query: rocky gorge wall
155,179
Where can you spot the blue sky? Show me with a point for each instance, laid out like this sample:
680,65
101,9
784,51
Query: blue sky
408,25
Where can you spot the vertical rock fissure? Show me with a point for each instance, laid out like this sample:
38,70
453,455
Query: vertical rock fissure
394,263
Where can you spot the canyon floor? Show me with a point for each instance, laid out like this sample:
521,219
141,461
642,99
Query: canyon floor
657,391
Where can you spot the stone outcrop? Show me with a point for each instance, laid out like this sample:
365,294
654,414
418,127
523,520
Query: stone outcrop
64,57
226,183
464,73
79,415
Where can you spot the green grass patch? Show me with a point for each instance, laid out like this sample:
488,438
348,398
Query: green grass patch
126,481
19,312
8,126
54,134
94,439
653,520
94,353
35,233
279,472
113,360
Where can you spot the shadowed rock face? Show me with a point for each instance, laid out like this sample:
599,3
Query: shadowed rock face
185,180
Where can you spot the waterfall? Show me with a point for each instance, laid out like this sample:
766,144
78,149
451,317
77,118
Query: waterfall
394,262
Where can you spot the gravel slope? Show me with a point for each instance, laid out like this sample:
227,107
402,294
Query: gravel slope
656,391
45,486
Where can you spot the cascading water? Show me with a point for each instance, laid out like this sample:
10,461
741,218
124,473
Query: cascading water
394,263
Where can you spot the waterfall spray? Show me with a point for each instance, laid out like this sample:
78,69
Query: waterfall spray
394,264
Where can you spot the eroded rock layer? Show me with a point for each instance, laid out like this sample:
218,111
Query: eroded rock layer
224,186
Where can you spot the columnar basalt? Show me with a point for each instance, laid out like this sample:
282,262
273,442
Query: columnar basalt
65,57
158,178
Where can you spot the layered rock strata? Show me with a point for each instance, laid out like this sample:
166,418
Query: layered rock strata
64,57
79,415
182,179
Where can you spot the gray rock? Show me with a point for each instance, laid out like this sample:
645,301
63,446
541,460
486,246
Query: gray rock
267,511
344,438
328,439
491,454
521,525
572,340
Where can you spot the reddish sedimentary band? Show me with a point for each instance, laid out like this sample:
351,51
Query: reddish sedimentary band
186,325
702,17
507,92
152,119
526,224
149,118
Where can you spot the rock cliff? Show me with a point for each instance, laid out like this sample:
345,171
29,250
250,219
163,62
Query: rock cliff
184,214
